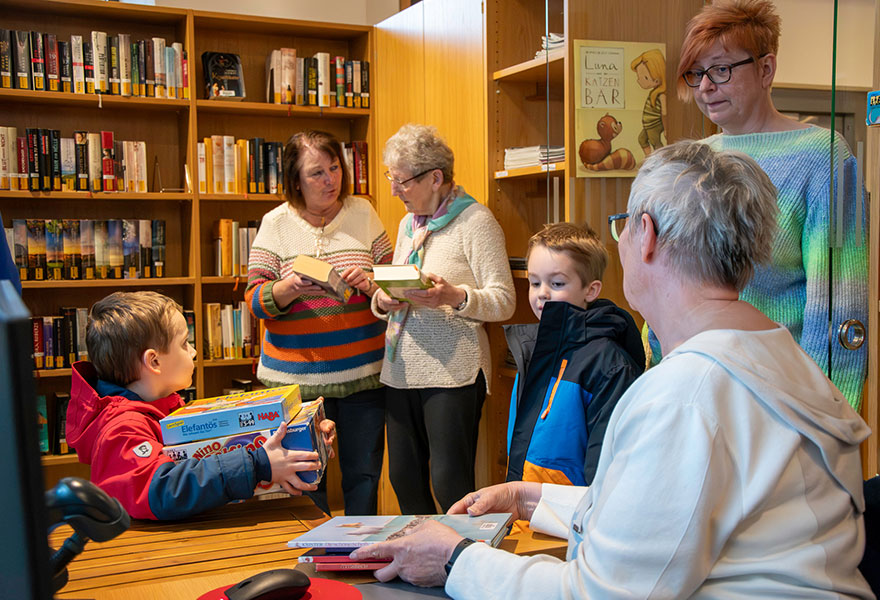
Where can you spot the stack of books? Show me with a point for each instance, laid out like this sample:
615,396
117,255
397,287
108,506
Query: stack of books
532,156
225,423
332,541
550,43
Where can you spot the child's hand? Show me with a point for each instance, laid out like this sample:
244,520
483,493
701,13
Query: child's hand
328,432
287,463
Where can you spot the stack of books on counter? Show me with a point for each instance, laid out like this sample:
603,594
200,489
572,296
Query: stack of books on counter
332,541
532,156
224,423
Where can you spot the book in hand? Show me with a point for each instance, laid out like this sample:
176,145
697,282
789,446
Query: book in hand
323,275
396,280
330,560
350,532
224,79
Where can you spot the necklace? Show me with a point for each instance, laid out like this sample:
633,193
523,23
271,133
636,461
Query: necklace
320,240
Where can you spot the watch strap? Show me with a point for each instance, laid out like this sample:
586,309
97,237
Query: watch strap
456,551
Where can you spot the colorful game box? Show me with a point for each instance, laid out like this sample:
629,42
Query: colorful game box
302,434
231,415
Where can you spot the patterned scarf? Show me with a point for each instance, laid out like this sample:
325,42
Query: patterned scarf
419,228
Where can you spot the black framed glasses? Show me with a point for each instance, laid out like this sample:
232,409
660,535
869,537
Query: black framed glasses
617,223
717,74
403,182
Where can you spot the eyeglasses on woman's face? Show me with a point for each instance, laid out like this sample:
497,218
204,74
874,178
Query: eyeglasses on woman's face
717,74
403,182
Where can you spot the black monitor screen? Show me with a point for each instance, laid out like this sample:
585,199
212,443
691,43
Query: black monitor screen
24,555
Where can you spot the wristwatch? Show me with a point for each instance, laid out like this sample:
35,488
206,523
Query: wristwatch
463,302
458,549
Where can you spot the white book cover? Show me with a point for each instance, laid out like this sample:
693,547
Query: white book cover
170,73
76,57
229,163
102,62
243,249
273,77
324,78
96,175
356,82
218,164
12,157
68,165
203,182
141,171
159,66
125,64
300,77
226,331
129,157
4,160
236,151
288,75
178,68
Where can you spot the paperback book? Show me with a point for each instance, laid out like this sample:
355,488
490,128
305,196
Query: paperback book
323,275
396,280
350,532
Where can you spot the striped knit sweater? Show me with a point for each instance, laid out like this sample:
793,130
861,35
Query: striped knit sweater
330,349
793,288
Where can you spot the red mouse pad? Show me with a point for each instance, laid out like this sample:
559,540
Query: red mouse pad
320,589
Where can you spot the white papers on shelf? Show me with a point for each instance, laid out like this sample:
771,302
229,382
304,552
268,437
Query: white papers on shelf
550,43
532,156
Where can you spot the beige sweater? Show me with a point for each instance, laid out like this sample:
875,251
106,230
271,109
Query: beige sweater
443,347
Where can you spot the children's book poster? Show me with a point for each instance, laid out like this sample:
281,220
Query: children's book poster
621,101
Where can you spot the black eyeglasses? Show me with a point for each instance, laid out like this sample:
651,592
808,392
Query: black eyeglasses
617,223
717,74
391,178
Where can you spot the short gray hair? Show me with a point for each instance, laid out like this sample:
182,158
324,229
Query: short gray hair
715,212
416,148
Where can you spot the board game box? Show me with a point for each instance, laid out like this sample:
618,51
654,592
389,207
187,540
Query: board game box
231,415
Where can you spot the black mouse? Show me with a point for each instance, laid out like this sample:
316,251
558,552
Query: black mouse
277,584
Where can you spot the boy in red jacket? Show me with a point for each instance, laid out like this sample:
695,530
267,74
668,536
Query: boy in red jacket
137,343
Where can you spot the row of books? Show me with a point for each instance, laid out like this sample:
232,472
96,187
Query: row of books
43,160
230,166
231,331
59,249
232,246
319,80
98,64
53,439
60,340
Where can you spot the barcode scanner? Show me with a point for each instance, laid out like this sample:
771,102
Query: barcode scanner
91,513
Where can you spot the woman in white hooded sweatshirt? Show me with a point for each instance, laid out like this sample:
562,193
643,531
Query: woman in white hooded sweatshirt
729,470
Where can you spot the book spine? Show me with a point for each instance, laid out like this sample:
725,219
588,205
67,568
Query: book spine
145,237
229,163
81,160
108,170
322,59
36,248
61,401
138,70
365,84
131,249
6,60
158,257
287,76
12,157
89,67
141,152
39,344
159,66
312,87
202,159
94,151
54,250
65,66
53,71
149,69
115,248
349,85
356,83
235,248
184,73
76,56
260,165
339,63
44,161
68,165
55,159
21,52
101,62
300,81
38,61
170,73
113,62
21,148
118,166
352,566
69,324
20,248
82,318
178,68
219,164
87,248
125,71
4,159
72,248
271,168
102,250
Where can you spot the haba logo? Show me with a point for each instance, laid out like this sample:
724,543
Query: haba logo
143,450
269,416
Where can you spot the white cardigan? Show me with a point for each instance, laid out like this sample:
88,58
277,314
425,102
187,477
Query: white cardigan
443,347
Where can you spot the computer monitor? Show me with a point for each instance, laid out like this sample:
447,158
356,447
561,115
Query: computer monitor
24,554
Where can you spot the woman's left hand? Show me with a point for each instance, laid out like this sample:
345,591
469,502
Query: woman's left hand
443,293
358,279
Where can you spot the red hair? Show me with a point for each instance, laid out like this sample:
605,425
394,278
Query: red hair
751,25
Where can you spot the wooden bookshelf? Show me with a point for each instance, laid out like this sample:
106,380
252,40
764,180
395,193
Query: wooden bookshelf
171,129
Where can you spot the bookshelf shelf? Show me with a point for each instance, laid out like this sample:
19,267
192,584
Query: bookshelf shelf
123,196
52,373
229,362
535,70
216,280
279,110
242,197
531,172
520,274
92,100
59,459
105,283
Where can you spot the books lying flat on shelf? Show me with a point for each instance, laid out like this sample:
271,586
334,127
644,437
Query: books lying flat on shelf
532,156
302,434
224,79
231,414
323,275
398,279
350,532
550,43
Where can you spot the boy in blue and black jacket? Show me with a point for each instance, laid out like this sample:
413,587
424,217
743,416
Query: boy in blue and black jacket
573,366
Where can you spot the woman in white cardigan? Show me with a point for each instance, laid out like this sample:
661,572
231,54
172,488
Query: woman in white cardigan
437,363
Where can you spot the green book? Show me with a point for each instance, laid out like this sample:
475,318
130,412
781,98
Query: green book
395,280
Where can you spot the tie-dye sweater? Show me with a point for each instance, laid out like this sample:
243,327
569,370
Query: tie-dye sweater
794,288
330,349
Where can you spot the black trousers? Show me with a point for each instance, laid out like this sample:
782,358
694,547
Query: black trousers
432,432
360,431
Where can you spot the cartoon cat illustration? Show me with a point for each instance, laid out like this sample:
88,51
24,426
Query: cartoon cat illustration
597,155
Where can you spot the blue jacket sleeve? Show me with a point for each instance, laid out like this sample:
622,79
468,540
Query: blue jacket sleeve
8,270
183,489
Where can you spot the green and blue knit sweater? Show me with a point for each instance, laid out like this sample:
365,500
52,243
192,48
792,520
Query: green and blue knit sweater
794,288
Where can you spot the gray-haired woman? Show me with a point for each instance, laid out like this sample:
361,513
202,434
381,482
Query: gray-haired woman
436,362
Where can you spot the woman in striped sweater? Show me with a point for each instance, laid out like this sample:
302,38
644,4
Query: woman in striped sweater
330,348
727,65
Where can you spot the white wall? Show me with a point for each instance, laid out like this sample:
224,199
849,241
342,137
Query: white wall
805,48
359,12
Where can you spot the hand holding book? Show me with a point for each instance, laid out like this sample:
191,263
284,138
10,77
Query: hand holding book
442,293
